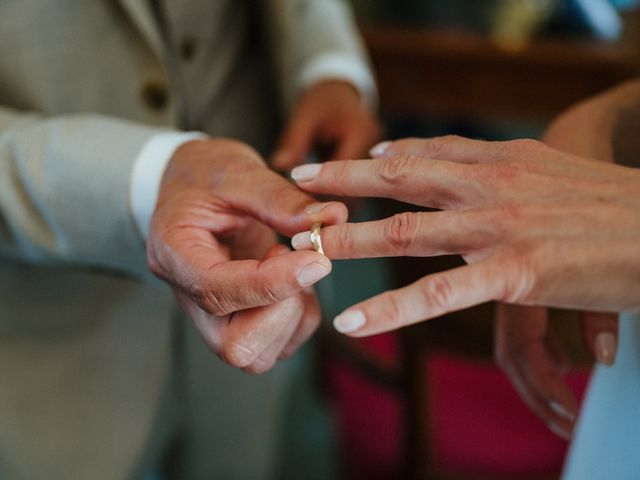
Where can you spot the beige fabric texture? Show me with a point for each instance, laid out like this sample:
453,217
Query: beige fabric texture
86,336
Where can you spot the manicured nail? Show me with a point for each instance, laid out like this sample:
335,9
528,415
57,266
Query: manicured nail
349,321
301,241
559,431
379,149
312,273
605,347
306,173
560,410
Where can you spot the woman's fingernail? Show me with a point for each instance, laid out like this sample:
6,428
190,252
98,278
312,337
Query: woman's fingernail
560,410
301,241
306,173
349,321
559,431
311,273
606,345
379,149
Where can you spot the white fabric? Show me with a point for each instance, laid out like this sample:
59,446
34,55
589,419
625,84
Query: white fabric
147,173
313,40
606,444
340,66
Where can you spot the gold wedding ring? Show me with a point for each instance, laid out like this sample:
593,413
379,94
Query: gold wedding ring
316,241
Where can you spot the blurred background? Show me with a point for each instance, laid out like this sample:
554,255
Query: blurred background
428,402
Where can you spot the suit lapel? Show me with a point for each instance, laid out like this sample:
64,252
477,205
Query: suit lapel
141,15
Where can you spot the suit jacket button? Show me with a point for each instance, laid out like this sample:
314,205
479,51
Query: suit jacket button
155,95
188,48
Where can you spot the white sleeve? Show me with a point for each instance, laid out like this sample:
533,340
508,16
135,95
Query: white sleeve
147,172
315,40
341,66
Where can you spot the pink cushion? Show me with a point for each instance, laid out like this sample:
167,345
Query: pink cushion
478,423
481,425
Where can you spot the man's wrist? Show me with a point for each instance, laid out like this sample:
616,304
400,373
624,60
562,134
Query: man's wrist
147,173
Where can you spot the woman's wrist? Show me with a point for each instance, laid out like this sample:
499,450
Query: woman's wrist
626,135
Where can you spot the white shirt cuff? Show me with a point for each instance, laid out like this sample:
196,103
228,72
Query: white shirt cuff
341,66
147,173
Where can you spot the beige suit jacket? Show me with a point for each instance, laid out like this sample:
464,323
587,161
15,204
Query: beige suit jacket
85,334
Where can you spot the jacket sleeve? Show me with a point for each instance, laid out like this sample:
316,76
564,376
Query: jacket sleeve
311,39
64,190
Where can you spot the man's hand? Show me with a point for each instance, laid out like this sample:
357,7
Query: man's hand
211,239
536,225
329,115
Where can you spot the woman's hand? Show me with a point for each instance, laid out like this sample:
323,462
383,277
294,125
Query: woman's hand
536,362
525,348
536,225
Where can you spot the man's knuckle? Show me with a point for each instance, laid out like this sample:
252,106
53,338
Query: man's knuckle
271,294
237,354
211,301
400,231
263,288
234,171
260,366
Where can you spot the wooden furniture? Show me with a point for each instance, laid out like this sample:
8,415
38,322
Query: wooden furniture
447,72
